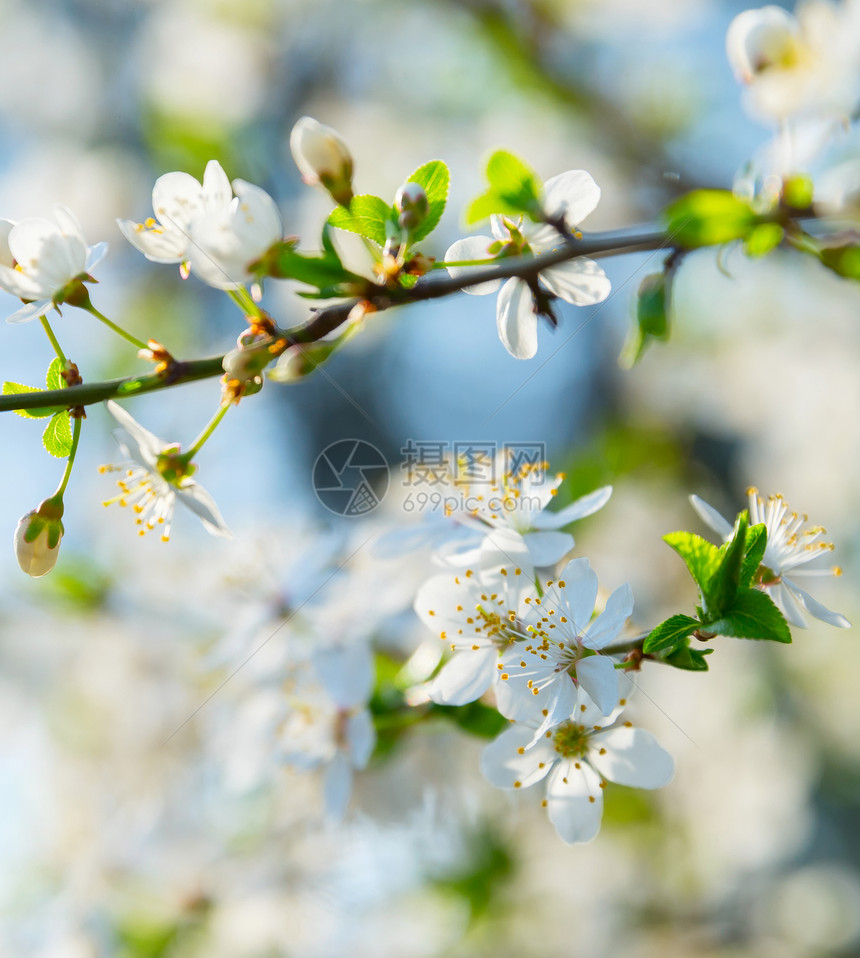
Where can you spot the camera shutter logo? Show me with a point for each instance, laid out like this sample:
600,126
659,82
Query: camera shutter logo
350,477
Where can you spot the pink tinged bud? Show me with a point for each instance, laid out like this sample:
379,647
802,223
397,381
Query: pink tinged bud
323,158
37,538
412,204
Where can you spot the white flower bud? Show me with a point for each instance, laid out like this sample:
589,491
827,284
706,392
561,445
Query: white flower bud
37,538
323,158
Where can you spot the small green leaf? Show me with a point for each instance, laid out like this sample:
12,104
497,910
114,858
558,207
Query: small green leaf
16,389
670,633
57,437
433,178
702,557
369,216
708,218
756,544
324,272
763,239
843,260
514,190
721,589
690,659
753,616
54,378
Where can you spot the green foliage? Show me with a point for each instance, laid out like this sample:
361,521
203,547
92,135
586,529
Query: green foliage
797,191
700,556
57,437
754,553
843,260
514,190
651,317
687,658
708,218
763,238
433,178
720,591
474,718
752,615
369,216
324,270
670,633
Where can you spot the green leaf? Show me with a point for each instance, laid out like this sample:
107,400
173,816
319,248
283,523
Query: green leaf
843,260
670,633
690,659
369,216
756,544
763,238
514,190
702,557
433,178
54,377
475,718
57,437
721,589
16,389
753,616
708,218
325,272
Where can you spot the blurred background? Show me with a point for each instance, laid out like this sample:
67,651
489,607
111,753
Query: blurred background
143,808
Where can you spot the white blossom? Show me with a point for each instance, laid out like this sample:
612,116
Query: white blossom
577,757
154,479
571,196
322,157
789,546
45,262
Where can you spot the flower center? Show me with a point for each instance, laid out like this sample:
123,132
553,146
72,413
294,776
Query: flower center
571,740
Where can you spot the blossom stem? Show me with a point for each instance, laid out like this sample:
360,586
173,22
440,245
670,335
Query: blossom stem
117,329
207,432
242,298
54,342
76,435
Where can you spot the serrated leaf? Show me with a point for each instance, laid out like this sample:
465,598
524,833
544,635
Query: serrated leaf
722,587
701,557
670,633
753,615
756,544
688,658
433,178
54,377
368,215
708,218
57,437
16,389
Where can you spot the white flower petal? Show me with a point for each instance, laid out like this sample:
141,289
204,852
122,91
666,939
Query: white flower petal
465,677
194,497
361,738
337,787
157,245
618,609
95,254
30,311
472,247
582,507
632,757
573,194
814,607
599,677
347,672
709,515
217,194
579,592
176,199
517,320
547,548
510,762
579,281
575,802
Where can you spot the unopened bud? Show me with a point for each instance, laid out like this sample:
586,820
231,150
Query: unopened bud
412,204
37,537
323,158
